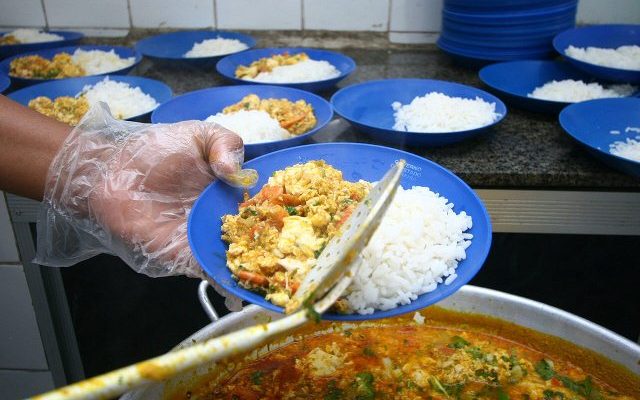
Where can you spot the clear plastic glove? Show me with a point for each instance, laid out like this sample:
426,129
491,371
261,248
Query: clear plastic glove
126,188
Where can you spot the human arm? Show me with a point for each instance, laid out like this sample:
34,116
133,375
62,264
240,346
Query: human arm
28,143
117,187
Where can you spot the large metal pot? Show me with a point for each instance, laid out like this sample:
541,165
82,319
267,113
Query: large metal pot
521,311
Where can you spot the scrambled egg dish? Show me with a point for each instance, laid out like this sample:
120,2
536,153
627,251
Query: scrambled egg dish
277,235
267,64
8,39
69,110
61,66
297,118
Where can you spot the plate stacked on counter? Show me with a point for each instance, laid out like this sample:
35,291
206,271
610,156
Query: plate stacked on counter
479,32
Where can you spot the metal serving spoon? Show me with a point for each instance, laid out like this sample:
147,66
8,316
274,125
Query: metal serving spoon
322,286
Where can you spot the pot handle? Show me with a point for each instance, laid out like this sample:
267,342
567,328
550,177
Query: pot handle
206,303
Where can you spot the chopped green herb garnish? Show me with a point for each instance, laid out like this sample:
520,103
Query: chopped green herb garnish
552,395
457,342
435,383
333,392
583,388
490,376
347,333
502,395
454,389
475,353
363,386
319,251
544,368
292,210
368,352
256,377
311,311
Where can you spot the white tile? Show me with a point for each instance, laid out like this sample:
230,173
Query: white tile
19,13
351,15
20,343
21,384
416,15
413,37
259,14
8,248
87,13
172,14
603,12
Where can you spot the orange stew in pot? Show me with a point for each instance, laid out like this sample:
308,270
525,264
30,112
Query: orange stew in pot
447,355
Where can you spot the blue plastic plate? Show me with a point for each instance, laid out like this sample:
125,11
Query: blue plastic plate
513,17
5,82
368,107
200,104
492,5
173,46
72,86
514,80
70,38
228,65
606,36
591,122
356,161
475,59
121,51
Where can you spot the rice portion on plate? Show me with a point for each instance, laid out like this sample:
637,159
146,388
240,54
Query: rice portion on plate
95,62
253,126
572,91
419,243
628,149
215,47
23,36
437,113
124,101
304,71
624,57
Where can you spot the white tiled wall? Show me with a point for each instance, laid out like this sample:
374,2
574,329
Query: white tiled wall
175,14
87,13
352,15
406,20
21,13
259,14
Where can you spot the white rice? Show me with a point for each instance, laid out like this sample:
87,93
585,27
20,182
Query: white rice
304,71
124,101
418,246
33,36
215,47
99,62
436,113
624,57
572,91
253,126
630,148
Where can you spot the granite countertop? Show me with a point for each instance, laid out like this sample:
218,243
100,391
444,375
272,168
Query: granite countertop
525,151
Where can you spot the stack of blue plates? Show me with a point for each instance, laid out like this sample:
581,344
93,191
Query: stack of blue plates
480,32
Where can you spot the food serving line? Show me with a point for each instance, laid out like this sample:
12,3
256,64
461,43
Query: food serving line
531,176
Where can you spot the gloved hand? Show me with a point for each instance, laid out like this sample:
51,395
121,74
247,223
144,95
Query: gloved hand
126,188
